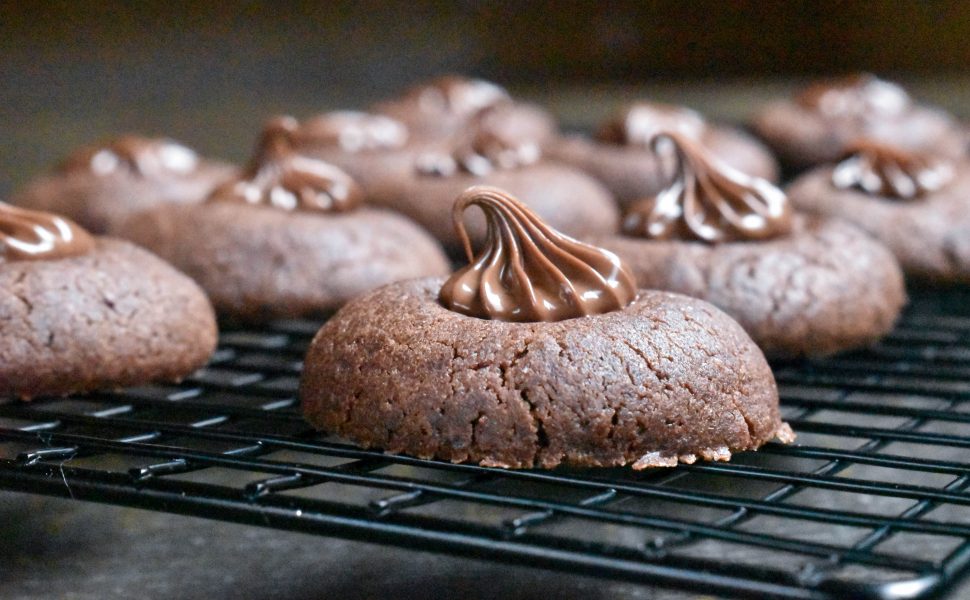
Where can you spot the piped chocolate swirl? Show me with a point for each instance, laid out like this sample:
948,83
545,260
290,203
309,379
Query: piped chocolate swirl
135,155
279,176
637,124
528,271
479,151
883,170
707,200
35,235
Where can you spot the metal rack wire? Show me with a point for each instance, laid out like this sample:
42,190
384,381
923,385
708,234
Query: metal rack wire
873,501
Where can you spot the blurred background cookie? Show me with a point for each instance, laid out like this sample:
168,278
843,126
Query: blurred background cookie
101,185
288,237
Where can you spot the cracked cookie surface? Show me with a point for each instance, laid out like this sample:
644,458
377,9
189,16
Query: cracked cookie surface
826,287
113,317
666,379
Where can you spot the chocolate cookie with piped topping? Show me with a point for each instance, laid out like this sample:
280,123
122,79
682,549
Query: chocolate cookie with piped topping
80,313
621,158
442,107
289,237
823,119
103,184
421,179
541,352
916,203
800,285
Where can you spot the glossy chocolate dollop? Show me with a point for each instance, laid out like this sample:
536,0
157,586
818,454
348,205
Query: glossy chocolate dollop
883,170
35,235
136,155
480,149
860,96
353,131
528,271
640,122
280,177
707,200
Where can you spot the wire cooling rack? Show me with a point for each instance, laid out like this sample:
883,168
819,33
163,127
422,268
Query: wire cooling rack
872,502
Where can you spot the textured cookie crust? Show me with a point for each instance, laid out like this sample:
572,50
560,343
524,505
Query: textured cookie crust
801,138
667,379
827,287
258,263
634,173
115,317
930,237
100,203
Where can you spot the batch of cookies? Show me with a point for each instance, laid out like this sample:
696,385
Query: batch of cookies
621,292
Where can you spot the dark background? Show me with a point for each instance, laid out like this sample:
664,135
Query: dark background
209,74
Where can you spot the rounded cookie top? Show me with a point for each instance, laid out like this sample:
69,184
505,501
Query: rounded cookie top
538,353
110,316
443,106
798,286
824,288
289,236
259,263
913,202
665,379
484,154
821,120
102,184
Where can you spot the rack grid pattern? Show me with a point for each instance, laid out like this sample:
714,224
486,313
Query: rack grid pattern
873,501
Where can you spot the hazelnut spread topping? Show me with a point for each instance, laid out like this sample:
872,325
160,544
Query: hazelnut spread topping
35,235
144,157
353,131
709,201
528,271
883,170
280,177
455,96
861,96
479,150
640,122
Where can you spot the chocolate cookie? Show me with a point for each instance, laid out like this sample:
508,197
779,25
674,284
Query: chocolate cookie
540,353
825,118
79,313
916,204
621,158
100,186
287,239
421,179
799,286
442,107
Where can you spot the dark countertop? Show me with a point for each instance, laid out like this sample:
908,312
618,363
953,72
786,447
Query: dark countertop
53,548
